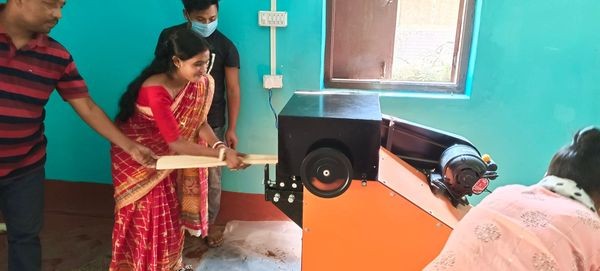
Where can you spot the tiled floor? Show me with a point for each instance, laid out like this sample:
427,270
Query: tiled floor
79,220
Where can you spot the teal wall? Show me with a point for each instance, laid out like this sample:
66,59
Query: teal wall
532,79
111,42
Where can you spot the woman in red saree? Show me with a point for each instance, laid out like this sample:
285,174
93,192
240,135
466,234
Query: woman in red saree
165,108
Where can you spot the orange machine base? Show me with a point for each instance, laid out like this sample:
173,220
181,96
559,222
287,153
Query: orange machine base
394,223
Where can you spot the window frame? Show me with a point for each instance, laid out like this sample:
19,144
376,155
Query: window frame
464,35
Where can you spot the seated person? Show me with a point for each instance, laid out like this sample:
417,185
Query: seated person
551,225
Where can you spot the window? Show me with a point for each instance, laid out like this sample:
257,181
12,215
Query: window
420,45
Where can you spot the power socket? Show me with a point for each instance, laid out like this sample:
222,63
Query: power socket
272,81
272,18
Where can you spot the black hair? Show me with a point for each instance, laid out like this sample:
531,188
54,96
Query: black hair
198,5
184,44
580,161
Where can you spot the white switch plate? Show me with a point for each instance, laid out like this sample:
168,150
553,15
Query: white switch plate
272,81
272,18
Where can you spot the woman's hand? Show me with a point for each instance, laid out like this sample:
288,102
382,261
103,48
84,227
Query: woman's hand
234,159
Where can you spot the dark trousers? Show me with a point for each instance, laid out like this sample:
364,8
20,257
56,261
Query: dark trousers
22,204
214,184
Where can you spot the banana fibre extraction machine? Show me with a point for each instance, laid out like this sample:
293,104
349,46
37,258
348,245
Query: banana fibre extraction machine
370,192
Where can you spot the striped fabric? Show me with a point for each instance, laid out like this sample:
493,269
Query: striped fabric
154,206
27,78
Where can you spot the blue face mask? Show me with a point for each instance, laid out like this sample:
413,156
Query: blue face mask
204,30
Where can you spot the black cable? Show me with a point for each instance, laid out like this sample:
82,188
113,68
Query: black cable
273,109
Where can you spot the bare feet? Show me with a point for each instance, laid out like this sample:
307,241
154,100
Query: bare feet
187,267
194,247
196,253
215,236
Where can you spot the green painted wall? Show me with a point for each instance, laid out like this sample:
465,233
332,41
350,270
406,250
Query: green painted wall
532,79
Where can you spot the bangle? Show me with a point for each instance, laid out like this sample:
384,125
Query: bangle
217,144
222,145
222,154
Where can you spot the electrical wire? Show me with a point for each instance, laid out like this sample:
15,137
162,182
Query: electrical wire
273,109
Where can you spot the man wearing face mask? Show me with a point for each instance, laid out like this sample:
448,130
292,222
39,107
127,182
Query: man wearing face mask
201,16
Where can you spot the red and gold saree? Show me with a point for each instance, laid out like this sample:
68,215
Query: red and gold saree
153,207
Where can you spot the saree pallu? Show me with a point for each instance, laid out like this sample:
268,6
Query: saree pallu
153,207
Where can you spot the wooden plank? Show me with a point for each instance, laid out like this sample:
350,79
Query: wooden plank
190,161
